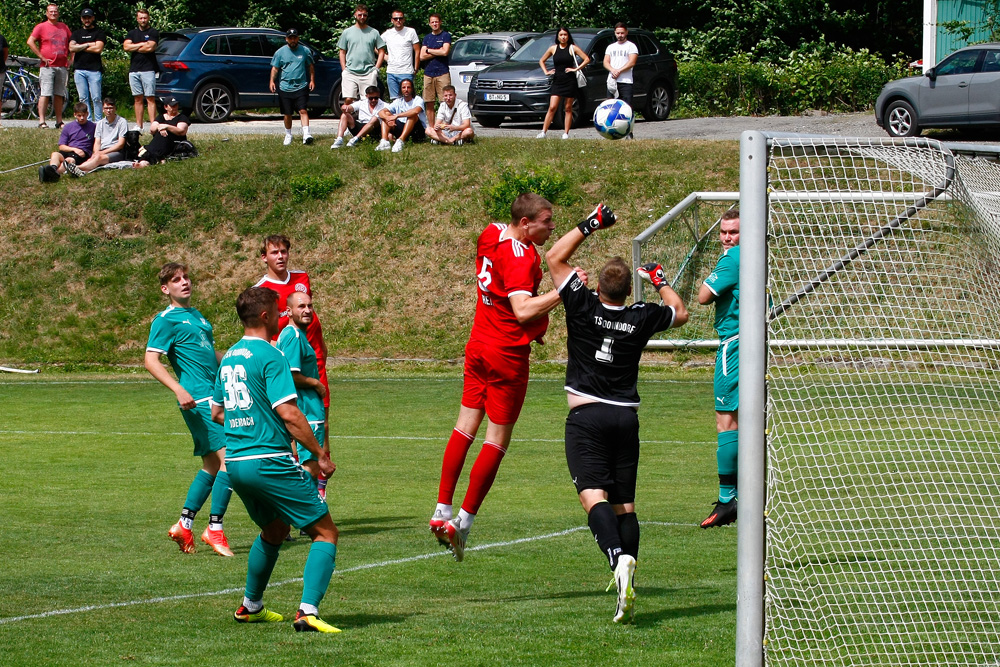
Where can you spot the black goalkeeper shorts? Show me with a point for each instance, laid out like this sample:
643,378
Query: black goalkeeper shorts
602,449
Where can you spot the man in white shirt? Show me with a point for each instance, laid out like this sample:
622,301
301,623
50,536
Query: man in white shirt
619,59
453,125
109,141
359,118
403,118
403,48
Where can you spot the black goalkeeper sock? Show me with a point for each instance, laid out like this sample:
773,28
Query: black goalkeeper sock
604,525
628,531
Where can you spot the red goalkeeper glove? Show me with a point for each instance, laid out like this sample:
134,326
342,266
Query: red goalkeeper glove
653,272
601,218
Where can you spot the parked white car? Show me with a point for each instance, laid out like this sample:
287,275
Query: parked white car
472,53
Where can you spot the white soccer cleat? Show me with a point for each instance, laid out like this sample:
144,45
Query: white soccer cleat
437,526
457,537
383,145
625,612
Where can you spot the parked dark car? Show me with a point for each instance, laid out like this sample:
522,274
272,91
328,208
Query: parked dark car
961,91
518,90
472,53
215,71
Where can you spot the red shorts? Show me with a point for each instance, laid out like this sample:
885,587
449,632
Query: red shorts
496,378
322,378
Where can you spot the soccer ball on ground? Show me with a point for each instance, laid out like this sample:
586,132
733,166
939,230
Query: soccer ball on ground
613,119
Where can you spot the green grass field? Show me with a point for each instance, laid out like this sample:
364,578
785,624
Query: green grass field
96,469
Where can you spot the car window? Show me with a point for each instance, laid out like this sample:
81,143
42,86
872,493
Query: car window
466,50
245,45
962,62
211,47
172,45
496,50
646,46
272,43
991,63
600,46
536,48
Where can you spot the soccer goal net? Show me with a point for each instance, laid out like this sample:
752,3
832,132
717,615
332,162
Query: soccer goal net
877,320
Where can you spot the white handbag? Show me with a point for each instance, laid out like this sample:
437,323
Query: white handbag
581,80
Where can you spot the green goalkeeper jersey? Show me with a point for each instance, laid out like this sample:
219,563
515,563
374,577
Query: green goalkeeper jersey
725,285
185,336
253,380
302,358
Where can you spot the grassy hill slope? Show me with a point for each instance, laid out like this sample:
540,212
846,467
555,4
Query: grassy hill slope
390,251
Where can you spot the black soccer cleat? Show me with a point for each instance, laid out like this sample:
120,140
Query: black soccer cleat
723,515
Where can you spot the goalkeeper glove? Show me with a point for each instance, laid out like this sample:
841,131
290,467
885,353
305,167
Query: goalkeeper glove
653,272
601,218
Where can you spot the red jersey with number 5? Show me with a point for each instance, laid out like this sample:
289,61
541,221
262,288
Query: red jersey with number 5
298,281
505,267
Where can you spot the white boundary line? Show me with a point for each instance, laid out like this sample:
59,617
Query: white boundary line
337,380
356,568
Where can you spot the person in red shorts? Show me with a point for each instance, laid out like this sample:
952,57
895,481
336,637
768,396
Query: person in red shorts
510,314
285,282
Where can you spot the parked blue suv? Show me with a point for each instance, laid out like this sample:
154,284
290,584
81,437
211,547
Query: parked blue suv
215,71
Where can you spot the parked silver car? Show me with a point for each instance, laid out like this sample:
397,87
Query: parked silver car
961,91
472,53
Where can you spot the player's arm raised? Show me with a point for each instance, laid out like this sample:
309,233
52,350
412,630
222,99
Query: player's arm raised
653,272
299,429
559,254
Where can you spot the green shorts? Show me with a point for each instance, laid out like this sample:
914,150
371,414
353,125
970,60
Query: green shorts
727,376
207,435
276,488
319,430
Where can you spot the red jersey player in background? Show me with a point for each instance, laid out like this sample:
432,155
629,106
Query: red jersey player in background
279,278
510,314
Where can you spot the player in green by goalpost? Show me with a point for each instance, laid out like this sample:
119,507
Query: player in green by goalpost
723,289
185,336
255,401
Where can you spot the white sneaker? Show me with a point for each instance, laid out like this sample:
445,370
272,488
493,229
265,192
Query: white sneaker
540,135
398,146
457,536
383,145
288,140
307,139
565,135
625,612
457,143
338,142
353,142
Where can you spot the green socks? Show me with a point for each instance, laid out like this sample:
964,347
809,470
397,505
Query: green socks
260,563
221,493
319,568
727,456
199,490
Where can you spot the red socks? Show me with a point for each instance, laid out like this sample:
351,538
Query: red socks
484,471
451,467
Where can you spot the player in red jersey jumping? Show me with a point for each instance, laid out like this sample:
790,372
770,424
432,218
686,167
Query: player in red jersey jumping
285,282
510,314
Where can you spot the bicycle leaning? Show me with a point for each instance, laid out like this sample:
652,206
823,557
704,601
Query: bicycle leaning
20,91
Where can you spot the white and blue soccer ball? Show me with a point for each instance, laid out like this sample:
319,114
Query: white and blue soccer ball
613,119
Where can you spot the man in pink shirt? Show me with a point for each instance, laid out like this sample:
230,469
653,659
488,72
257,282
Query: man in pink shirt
50,42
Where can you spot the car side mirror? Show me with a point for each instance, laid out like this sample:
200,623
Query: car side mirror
931,74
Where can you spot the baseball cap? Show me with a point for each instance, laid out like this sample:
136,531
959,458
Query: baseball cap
87,11
291,32
170,101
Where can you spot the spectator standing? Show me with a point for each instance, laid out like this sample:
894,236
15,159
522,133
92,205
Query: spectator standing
141,45
362,51
87,44
567,60
49,41
293,76
403,48
619,59
434,57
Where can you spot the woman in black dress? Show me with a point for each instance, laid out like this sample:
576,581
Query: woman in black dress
567,58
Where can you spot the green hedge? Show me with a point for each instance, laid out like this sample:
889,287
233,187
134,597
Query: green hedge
846,80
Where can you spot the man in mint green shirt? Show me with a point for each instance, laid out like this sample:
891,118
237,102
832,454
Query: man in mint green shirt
293,76
184,335
255,400
723,289
301,358
362,51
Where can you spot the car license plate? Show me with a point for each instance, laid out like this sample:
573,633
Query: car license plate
498,97
466,78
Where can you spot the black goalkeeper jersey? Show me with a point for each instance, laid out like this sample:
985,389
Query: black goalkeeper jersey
606,342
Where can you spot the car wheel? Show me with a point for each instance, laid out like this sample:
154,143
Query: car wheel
489,121
214,102
658,102
901,120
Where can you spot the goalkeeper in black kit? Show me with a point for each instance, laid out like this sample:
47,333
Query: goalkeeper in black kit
606,340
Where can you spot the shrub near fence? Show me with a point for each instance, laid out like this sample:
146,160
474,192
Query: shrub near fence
846,80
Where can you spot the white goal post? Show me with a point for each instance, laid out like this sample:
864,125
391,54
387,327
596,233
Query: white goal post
869,447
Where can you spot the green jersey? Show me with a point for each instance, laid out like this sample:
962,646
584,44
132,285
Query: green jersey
725,285
185,336
302,358
253,380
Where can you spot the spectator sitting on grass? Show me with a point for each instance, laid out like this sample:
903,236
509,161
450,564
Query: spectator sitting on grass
76,143
169,128
359,118
404,117
109,142
454,120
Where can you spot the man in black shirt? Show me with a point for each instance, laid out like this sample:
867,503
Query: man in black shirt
88,69
141,45
605,342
